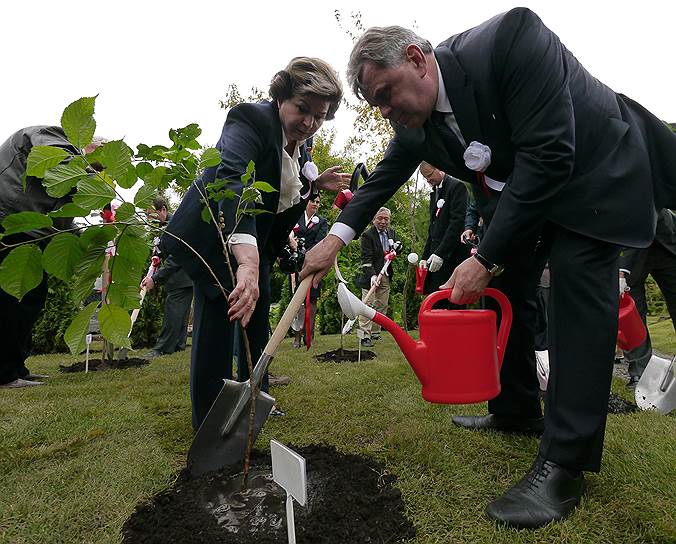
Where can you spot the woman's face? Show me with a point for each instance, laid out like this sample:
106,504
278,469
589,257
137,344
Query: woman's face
301,116
312,206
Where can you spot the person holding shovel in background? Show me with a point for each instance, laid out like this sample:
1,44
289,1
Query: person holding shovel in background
272,134
582,172
19,316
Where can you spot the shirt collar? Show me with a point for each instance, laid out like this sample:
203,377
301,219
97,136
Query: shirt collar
285,142
443,103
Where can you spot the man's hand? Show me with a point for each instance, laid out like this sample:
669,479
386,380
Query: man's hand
374,280
319,259
467,235
434,263
148,283
623,283
333,180
468,281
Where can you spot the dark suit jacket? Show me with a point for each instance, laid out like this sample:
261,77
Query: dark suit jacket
570,150
373,256
313,234
443,237
632,259
252,132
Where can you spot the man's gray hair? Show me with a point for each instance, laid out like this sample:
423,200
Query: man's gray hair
384,209
383,46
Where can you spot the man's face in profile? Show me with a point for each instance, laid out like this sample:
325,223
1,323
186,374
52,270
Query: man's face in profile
158,215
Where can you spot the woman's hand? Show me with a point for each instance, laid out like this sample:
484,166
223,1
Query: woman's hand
333,180
243,298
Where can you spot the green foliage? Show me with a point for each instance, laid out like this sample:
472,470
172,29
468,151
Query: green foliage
79,327
54,319
21,270
657,306
44,157
78,121
149,321
25,222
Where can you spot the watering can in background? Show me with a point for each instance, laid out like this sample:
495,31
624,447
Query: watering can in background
460,352
420,275
631,331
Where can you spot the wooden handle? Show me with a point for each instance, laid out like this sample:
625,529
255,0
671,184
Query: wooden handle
287,317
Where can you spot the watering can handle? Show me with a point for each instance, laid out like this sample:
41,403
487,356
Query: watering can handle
505,310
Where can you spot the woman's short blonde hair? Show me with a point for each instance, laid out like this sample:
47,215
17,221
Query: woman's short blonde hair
307,75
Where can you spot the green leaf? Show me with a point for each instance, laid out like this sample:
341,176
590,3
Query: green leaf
61,255
98,236
250,167
155,178
21,270
210,157
93,193
154,153
69,210
206,214
132,245
115,324
78,121
264,186
43,157
143,169
115,156
75,334
125,211
184,136
25,222
125,296
61,179
85,273
144,196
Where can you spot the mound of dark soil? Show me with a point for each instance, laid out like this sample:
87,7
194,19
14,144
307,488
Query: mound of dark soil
350,500
345,356
617,405
98,364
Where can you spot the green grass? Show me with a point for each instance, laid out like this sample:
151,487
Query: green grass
78,455
662,334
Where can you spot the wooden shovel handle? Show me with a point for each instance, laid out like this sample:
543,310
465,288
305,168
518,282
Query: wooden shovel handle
287,317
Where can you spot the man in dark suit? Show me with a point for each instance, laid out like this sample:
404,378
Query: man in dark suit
375,242
178,288
581,170
658,260
443,249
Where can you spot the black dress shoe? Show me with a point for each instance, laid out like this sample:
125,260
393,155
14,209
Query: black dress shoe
548,492
506,424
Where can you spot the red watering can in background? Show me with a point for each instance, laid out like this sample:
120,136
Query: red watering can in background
631,331
460,352
420,275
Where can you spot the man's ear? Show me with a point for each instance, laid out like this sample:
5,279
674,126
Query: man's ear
415,55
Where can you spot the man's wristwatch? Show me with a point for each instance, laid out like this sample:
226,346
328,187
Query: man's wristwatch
493,269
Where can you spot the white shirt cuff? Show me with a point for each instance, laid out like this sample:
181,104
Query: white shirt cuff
239,238
344,232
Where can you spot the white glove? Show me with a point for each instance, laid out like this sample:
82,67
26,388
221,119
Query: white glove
374,280
623,285
434,262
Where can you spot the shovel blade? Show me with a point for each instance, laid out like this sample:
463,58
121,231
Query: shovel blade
656,390
222,438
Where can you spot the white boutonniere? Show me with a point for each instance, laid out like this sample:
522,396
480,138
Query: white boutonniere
477,156
315,219
310,171
440,204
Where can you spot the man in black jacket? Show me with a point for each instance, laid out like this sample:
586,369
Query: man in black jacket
658,260
448,204
582,171
178,287
375,242
18,317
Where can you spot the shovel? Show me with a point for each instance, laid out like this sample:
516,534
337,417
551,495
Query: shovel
222,438
656,390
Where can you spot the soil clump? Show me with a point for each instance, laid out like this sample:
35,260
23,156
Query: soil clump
345,356
350,499
98,364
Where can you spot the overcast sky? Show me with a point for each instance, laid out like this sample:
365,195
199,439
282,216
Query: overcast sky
162,64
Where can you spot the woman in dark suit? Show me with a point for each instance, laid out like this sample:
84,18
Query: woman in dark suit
272,135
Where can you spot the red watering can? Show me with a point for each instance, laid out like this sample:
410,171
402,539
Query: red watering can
460,352
631,331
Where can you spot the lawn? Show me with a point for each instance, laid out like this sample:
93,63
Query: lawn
79,454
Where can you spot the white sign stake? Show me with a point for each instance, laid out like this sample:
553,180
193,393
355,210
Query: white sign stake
360,337
88,339
288,470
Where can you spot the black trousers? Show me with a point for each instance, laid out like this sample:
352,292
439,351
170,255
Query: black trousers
174,333
582,315
212,344
18,318
661,265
